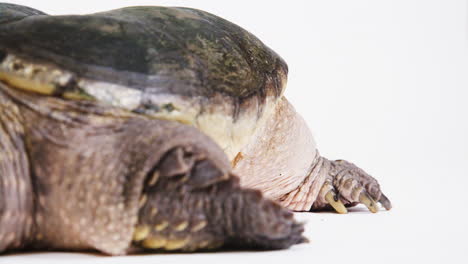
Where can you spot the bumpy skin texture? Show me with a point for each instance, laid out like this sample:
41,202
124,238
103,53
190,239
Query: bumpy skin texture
347,185
79,176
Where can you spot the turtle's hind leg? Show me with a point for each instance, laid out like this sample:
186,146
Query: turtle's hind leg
134,182
189,203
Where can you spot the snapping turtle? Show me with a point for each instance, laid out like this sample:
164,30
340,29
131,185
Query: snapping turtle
154,128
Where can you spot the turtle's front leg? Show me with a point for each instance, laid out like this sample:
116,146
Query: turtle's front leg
282,161
335,185
347,185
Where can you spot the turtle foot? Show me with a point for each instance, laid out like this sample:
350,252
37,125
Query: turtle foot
190,203
260,223
347,185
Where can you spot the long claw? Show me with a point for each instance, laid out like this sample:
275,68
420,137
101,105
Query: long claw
385,202
365,199
336,204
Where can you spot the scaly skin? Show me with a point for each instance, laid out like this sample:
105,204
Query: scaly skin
347,185
75,175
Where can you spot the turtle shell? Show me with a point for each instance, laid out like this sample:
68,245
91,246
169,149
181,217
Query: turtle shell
171,62
153,49
12,12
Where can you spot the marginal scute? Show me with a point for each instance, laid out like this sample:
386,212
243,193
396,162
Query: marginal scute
39,78
27,84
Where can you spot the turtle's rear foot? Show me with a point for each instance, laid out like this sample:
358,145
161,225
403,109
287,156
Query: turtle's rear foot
347,185
190,204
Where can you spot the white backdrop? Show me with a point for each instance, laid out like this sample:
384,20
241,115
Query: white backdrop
383,84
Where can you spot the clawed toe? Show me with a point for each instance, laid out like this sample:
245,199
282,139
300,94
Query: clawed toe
339,207
385,202
365,199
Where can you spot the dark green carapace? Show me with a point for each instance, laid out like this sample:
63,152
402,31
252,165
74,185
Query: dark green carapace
12,12
158,49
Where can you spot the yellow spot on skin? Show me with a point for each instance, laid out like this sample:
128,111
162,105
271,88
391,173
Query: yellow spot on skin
39,218
141,233
76,96
154,211
182,226
6,216
161,226
41,200
98,185
21,185
27,85
214,245
236,159
142,201
177,244
39,237
154,178
204,244
185,178
154,242
199,226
